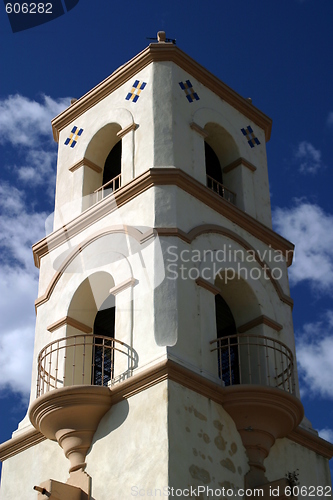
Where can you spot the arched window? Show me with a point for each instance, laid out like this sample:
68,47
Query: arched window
213,167
213,171
228,367
103,354
112,170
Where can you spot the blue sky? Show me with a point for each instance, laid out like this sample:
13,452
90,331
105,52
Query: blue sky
279,53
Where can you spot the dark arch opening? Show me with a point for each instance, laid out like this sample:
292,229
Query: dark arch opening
112,167
213,167
227,352
103,353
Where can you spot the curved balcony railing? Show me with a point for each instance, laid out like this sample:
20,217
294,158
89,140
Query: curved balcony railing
84,359
221,190
254,359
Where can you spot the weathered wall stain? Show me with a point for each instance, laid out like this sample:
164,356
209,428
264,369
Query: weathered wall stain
220,443
228,464
218,425
199,415
233,449
226,484
206,438
200,474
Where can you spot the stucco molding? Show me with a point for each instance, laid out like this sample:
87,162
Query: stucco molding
237,163
312,442
130,283
84,162
194,126
161,177
175,232
19,443
67,320
214,228
158,52
125,130
208,286
260,320
128,230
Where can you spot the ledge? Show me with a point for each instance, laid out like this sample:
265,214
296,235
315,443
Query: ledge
163,177
20,443
168,370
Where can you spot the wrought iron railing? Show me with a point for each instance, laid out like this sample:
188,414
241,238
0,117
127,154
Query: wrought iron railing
84,359
108,188
221,190
254,359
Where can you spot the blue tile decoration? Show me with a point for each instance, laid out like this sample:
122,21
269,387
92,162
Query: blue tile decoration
251,138
188,89
136,91
72,139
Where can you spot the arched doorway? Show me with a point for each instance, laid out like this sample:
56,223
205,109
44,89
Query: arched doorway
103,352
112,170
213,167
227,352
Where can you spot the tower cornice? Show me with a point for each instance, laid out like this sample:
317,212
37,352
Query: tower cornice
160,177
158,52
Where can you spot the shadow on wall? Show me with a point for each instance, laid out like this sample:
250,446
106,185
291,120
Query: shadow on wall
113,419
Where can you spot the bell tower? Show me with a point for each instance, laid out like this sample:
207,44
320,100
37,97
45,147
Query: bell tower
164,357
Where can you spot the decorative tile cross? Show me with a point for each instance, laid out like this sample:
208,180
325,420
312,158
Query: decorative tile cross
188,89
72,139
136,91
251,138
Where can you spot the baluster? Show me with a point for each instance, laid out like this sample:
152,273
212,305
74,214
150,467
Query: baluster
56,368
249,358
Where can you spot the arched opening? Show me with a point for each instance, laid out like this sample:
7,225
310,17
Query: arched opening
103,354
105,154
227,352
220,151
213,167
112,170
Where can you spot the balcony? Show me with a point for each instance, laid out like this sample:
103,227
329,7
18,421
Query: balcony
258,360
108,188
84,360
220,189
257,373
75,374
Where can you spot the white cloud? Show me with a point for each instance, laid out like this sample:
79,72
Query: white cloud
25,127
314,349
308,157
40,170
10,199
27,124
311,230
326,434
24,121
19,228
19,289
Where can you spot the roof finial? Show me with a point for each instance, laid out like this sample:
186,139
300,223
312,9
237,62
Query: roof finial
161,36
